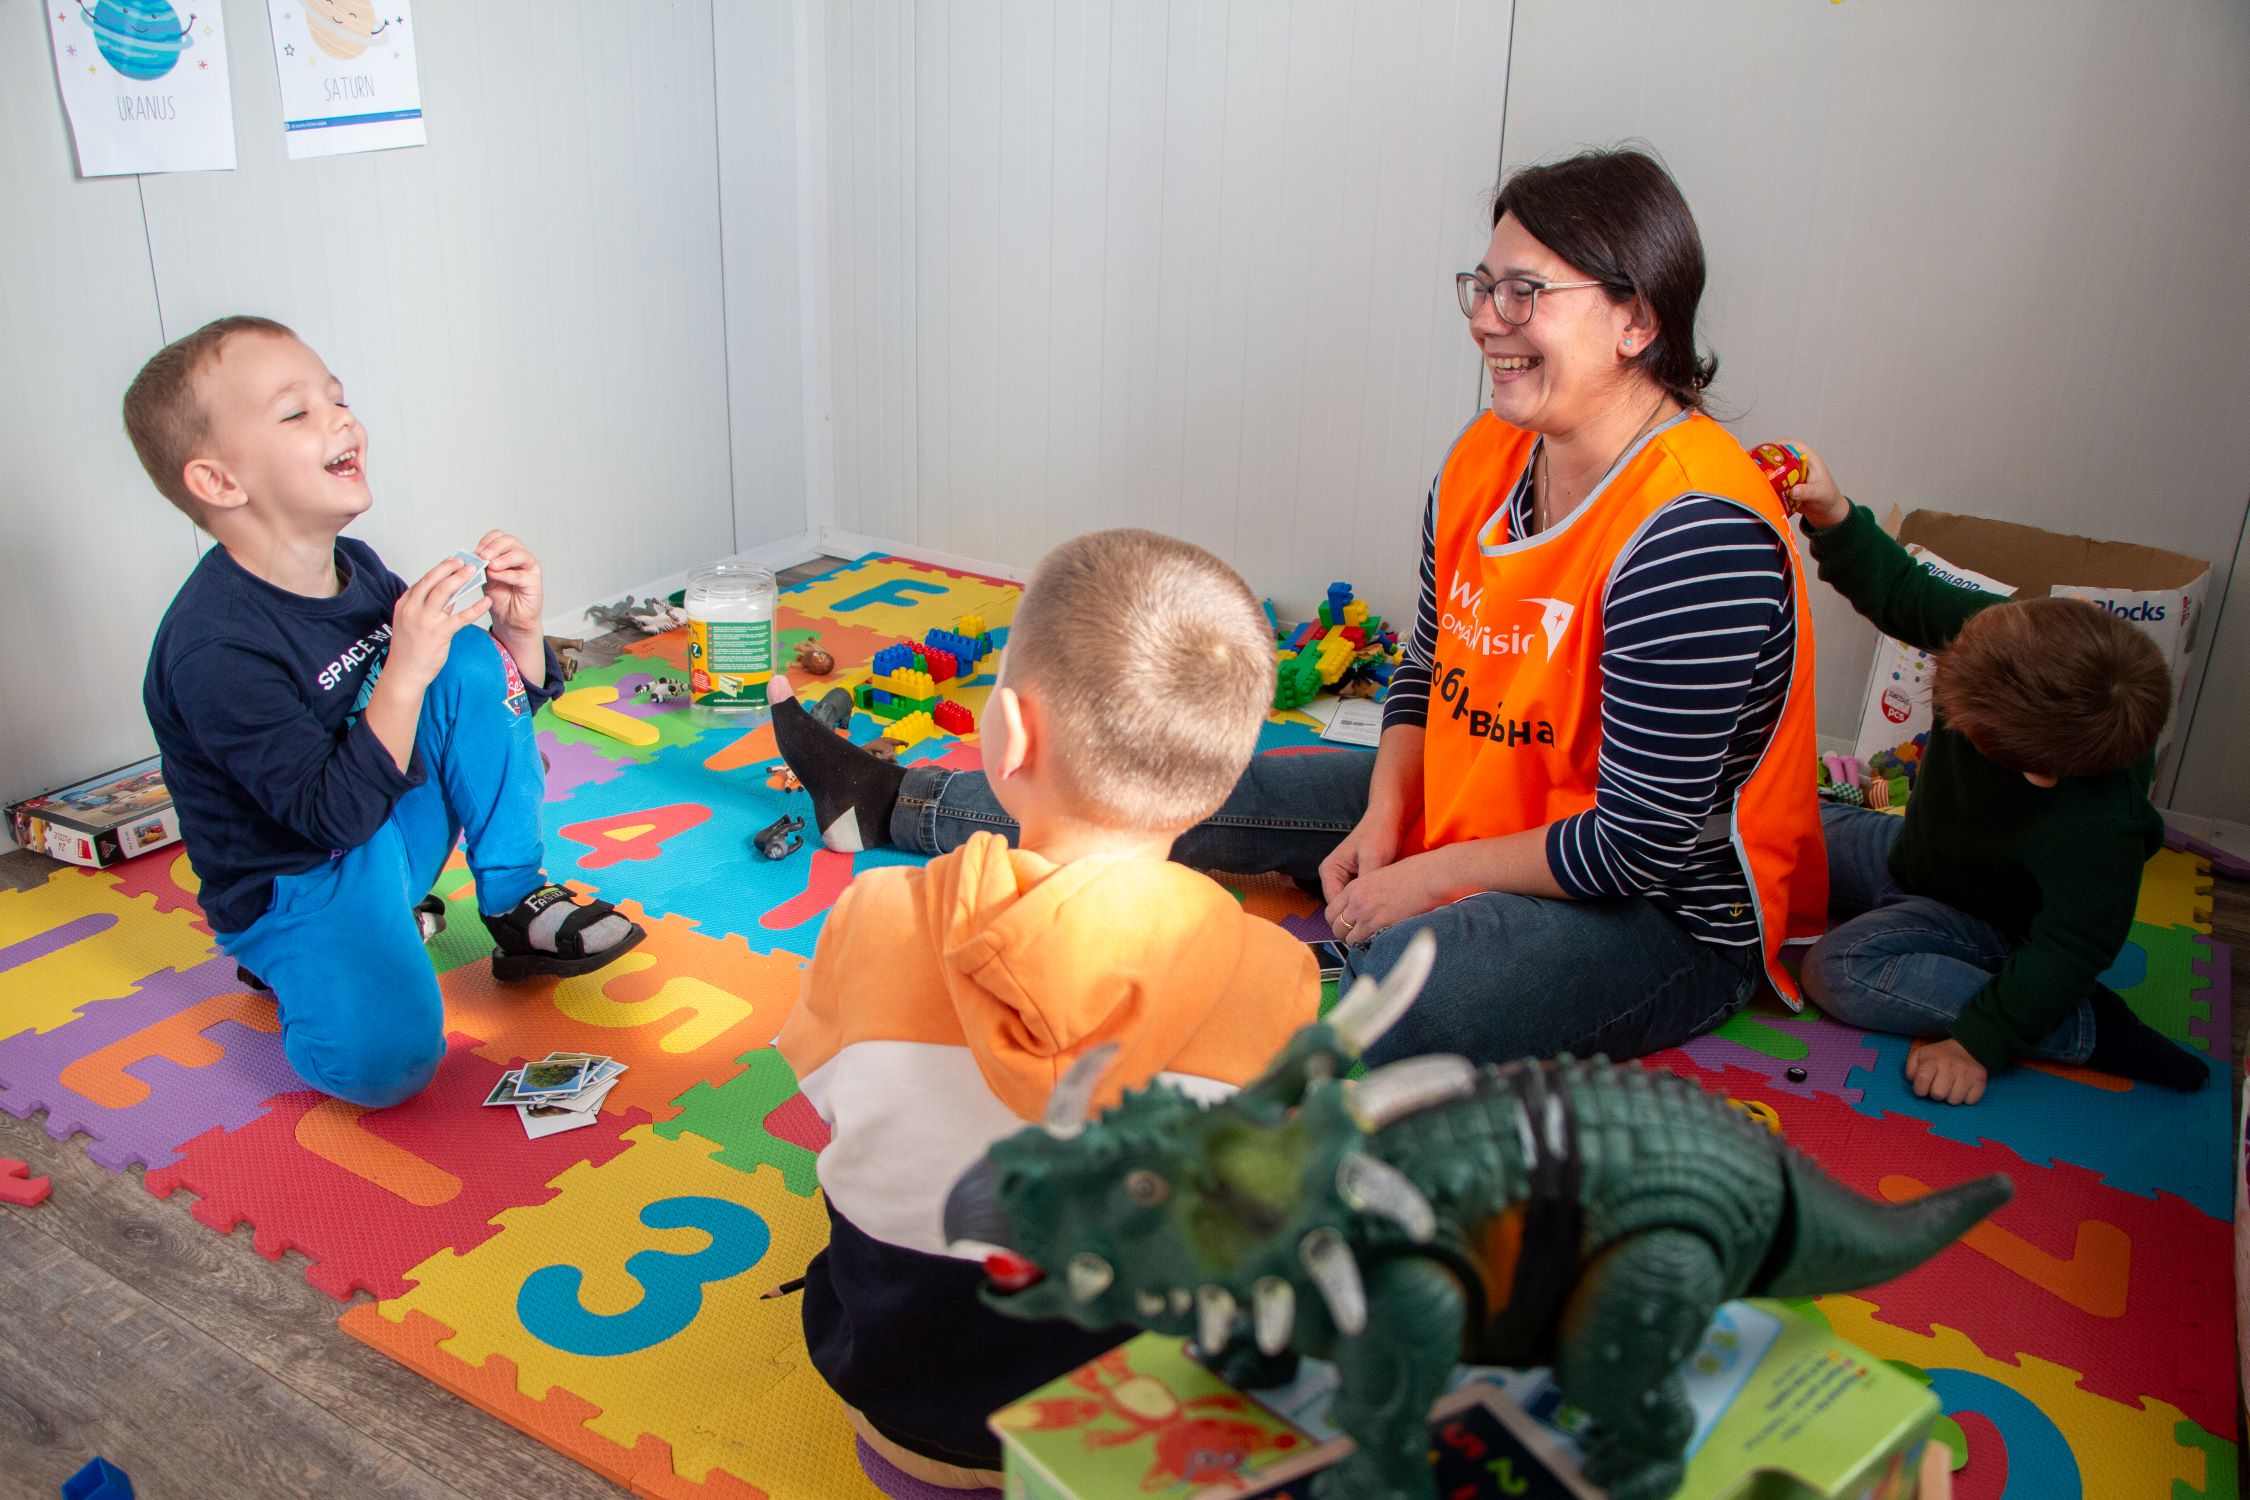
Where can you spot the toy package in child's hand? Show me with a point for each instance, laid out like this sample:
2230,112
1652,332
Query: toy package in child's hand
470,589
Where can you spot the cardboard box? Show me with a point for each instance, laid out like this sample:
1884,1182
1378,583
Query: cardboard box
1785,1410
102,821
2161,592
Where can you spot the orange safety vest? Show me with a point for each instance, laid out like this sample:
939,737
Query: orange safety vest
1515,721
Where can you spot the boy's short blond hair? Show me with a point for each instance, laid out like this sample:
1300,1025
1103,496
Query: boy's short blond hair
165,417
2059,687
1152,667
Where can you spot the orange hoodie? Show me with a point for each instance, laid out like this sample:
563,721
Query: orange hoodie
945,1001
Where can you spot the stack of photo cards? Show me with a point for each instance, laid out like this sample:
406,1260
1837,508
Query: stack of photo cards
560,1092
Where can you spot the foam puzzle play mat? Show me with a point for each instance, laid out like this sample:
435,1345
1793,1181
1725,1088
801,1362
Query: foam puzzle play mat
601,1289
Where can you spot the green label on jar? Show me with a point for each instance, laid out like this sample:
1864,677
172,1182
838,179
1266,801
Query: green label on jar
730,662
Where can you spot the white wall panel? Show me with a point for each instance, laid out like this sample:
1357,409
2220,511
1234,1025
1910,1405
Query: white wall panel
1985,257
754,46
90,553
1181,265
527,311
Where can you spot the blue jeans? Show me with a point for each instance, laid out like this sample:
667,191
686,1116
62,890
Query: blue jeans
1516,976
339,945
1903,963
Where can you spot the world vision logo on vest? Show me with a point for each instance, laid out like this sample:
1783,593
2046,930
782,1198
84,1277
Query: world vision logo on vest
1462,621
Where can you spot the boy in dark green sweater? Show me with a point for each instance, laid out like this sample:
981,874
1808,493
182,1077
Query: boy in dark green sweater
1986,915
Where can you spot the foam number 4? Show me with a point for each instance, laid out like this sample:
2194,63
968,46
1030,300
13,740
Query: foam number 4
671,1284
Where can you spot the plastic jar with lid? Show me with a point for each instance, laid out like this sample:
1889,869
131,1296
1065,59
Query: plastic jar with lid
730,608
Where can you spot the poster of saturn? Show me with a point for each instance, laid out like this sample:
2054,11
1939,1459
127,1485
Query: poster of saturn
348,79
145,84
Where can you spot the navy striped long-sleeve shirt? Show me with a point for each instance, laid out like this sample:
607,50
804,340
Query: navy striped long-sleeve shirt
1698,639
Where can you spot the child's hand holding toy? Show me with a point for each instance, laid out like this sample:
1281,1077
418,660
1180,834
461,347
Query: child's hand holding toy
1816,497
1944,1071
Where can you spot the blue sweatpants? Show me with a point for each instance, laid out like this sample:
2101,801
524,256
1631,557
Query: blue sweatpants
340,947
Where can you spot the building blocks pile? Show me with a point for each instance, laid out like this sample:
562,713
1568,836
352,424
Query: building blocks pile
1348,648
906,679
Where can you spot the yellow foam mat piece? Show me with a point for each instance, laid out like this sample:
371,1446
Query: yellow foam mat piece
730,1391
587,707
84,941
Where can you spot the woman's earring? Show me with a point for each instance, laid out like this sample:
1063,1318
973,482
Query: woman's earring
1628,341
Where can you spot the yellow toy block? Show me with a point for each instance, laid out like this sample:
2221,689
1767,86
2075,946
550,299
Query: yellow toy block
1355,613
907,684
969,625
587,708
1336,652
913,729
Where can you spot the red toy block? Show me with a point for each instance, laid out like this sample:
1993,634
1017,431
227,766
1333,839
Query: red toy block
1355,635
954,718
18,1186
942,666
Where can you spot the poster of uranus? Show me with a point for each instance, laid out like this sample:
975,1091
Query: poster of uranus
348,76
145,84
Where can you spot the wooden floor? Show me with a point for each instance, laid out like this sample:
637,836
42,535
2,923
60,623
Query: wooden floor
130,1330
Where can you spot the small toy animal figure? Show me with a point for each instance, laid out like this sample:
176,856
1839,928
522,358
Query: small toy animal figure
834,709
1581,1214
654,616
814,660
569,652
664,689
780,838
884,747
612,616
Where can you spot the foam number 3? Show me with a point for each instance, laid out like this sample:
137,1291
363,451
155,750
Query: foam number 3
671,1284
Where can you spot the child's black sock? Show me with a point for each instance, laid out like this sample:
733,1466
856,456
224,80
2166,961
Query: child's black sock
2126,1045
852,792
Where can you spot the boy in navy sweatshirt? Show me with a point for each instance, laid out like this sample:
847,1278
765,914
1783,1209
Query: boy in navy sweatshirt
330,731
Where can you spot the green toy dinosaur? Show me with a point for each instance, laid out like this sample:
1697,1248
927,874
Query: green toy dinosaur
1581,1214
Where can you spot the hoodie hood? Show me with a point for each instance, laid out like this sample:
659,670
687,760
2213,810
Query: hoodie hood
1044,961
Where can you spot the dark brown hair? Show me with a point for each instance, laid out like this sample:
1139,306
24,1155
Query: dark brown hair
164,417
1618,217
2059,687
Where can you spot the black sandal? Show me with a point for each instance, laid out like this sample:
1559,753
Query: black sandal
516,957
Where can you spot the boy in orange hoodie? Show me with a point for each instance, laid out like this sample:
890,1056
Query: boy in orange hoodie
944,1002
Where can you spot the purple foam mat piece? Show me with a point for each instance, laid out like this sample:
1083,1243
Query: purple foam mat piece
1832,1052
2233,866
2217,1030
630,704
570,767
900,1485
1312,929
55,939
181,1102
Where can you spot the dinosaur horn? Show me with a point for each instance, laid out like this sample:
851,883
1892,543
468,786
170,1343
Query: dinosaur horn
1273,1313
1071,1105
1214,1308
1089,1276
1370,1010
1329,1261
1370,1185
1399,1089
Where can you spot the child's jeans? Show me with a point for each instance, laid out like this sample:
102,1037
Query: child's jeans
1903,963
340,946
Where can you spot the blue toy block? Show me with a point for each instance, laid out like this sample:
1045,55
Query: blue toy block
99,1480
962,648
1273,619
894,659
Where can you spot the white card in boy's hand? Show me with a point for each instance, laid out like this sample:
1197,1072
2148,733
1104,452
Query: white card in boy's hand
1358,721
466,591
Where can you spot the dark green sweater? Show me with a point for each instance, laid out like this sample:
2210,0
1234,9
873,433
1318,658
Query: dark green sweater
2057,867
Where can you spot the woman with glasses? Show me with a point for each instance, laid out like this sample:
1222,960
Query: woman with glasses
1594,783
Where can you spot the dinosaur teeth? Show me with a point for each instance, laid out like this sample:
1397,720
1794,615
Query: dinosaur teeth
1183,1301
1370,1185
1089,1276
1273,1313
1071,1105
1399,1089
1214,1320
1149,1304
1370,1010
1329,1261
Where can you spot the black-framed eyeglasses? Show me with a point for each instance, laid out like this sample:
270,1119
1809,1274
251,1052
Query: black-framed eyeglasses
1513,297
